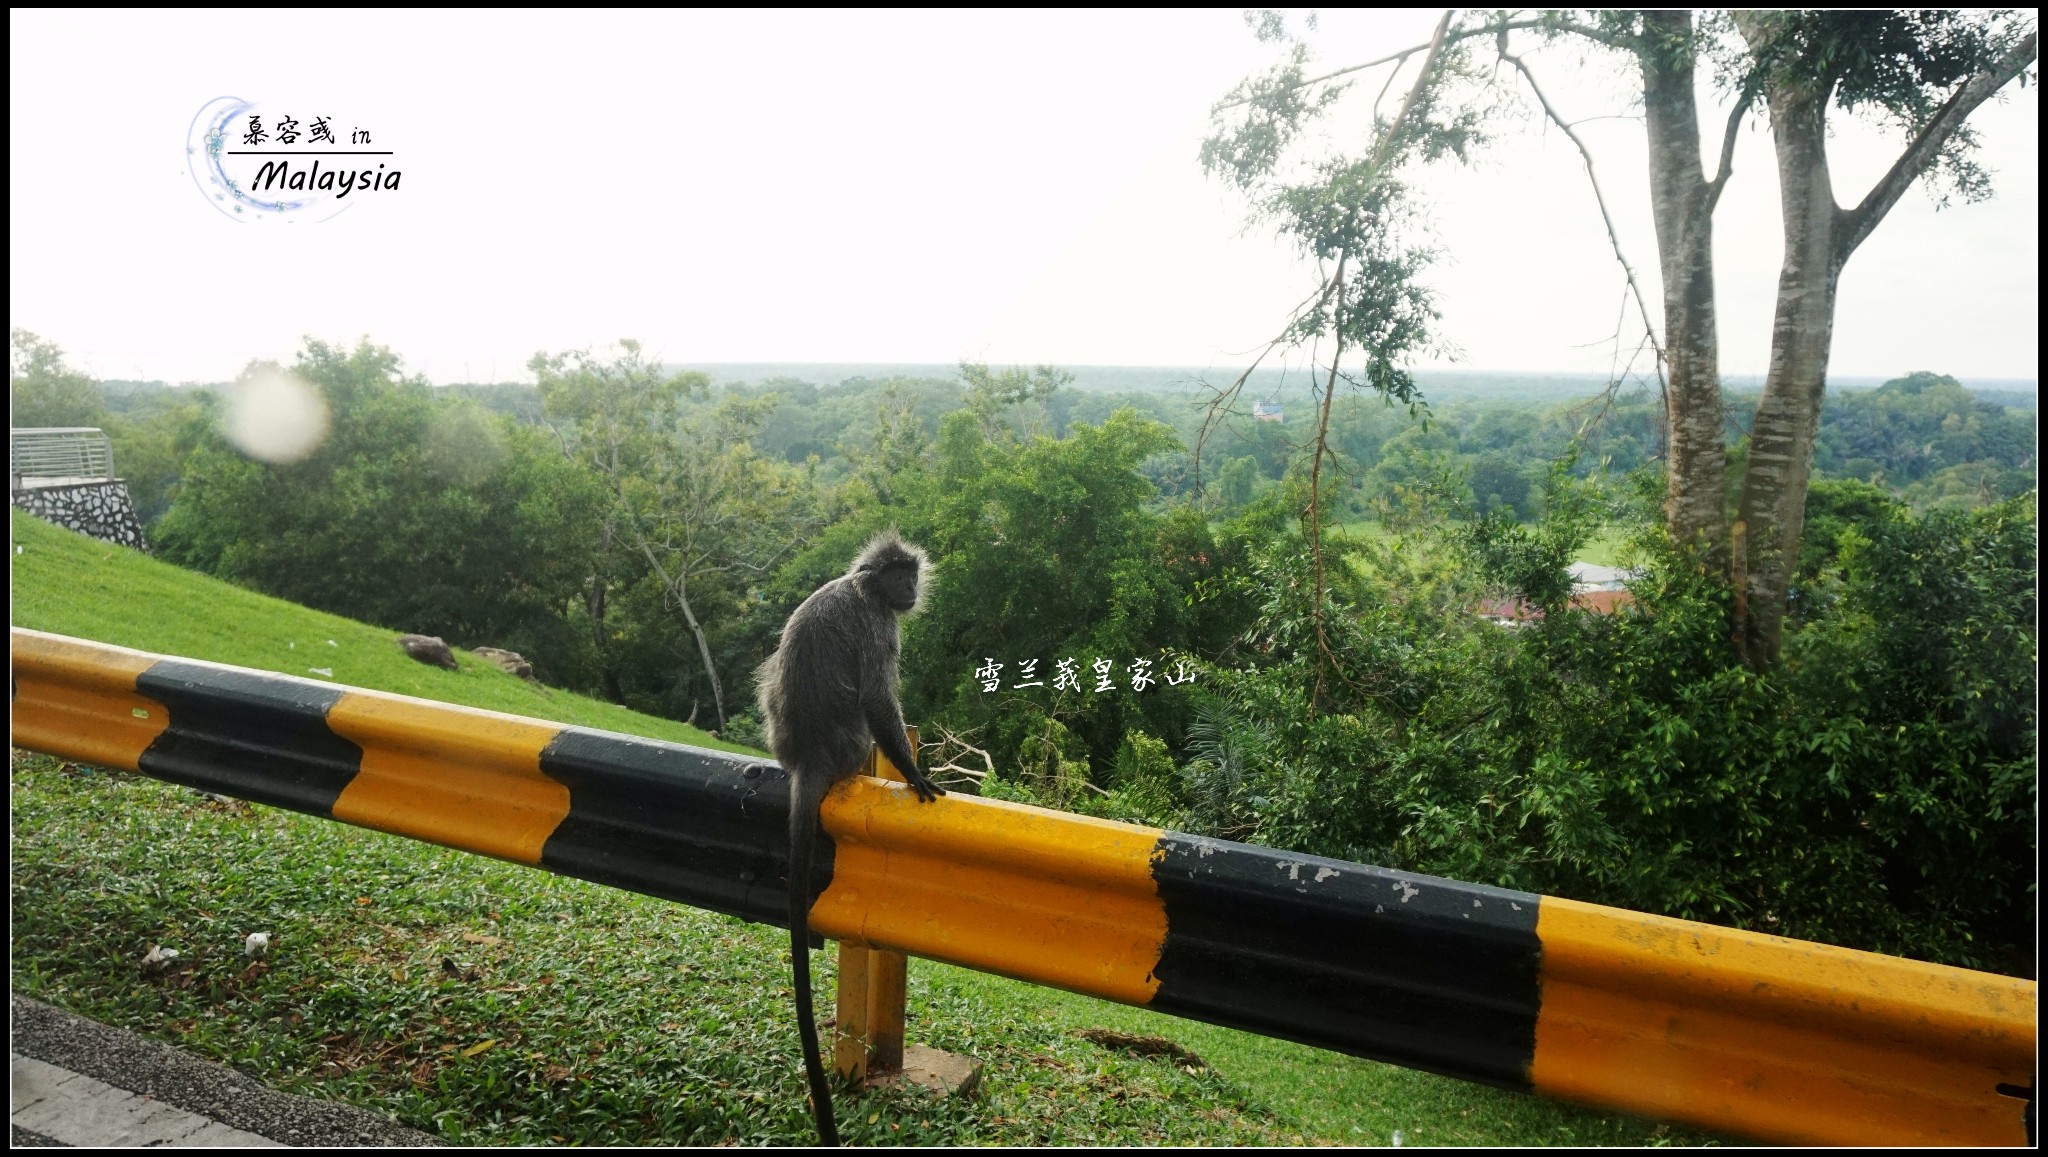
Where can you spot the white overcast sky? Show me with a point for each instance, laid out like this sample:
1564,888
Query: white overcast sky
860,187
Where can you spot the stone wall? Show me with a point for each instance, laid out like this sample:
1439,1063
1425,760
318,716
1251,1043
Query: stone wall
100,509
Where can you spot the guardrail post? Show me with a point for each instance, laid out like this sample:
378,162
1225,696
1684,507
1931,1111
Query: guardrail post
868,1041
850,1031
888,978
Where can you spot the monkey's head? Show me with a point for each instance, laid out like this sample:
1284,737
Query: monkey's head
892,570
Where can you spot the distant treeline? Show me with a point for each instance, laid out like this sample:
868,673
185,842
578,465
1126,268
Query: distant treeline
1924,436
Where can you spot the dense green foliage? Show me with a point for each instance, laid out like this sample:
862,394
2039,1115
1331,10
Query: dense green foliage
1925,434
42,391
1875,789
413,515
642,535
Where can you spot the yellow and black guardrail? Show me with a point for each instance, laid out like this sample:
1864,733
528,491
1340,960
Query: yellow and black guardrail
1757,1035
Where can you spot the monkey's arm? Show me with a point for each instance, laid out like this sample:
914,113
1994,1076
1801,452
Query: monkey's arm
885,719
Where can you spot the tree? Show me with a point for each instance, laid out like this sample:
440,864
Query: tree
610,417
1045,550
991,392
1350,213
415,514
1237,482
151,448
1924,71
43,391
714,507
1500,483
690,497
1911,428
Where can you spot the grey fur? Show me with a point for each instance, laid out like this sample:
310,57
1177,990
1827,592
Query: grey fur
828,696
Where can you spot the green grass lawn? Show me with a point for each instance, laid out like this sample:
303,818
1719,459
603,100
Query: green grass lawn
490,1003
1603,549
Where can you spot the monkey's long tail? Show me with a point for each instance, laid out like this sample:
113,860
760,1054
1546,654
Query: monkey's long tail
803,840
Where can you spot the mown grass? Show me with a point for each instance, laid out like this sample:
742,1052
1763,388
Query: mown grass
493,1004
1603,549
490,1003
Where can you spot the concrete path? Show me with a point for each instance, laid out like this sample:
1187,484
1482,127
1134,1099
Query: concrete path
79,1083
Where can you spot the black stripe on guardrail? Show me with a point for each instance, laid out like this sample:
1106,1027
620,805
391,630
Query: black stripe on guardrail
704,828
1415,970
256,737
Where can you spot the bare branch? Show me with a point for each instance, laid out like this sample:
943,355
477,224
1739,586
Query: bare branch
1590,33
1599,197
1218,406
1856,224
1436,49
1728,138
1315,487
1597,35
560,440
949,738
678,587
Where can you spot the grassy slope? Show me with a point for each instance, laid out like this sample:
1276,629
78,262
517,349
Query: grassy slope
600,1016
73,585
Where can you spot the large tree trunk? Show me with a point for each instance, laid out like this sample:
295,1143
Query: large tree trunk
1682,202
1772,512
1819,237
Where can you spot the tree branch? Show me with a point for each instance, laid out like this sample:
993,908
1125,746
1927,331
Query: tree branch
1613,40
1609,39
1728,138
1854,225
1436,48
948,738
1613,238
1219,405
1315,474
1380,154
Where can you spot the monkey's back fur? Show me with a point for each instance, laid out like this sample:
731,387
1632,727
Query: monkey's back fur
813,691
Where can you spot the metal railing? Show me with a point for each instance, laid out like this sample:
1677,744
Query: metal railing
1772,1038
41,455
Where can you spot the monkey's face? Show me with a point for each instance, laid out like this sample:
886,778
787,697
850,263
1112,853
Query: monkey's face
898,586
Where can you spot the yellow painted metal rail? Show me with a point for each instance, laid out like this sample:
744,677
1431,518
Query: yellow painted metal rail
1756,1035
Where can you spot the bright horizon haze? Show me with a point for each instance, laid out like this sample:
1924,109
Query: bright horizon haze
870,187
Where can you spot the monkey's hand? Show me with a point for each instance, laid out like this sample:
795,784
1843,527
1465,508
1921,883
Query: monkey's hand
922,784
